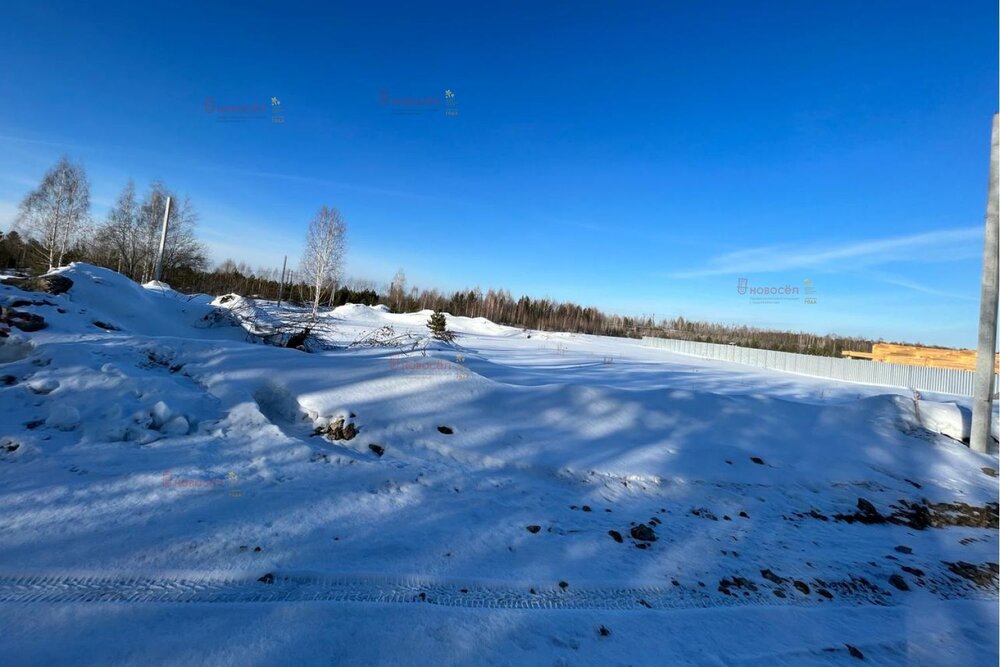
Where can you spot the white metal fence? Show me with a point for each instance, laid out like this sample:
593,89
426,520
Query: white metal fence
943,380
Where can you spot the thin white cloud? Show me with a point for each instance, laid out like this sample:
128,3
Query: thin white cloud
923,289
367,189
937,246
41,142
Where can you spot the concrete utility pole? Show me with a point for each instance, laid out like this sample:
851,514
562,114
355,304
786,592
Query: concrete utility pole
158,273
281,285
982,395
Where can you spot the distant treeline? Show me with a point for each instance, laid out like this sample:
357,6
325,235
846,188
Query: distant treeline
495,305
782,341
500,307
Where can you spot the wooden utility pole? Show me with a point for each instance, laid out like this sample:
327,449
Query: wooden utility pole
281,285
158,273
982,396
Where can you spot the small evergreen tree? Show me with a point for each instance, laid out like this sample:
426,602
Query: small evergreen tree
438,326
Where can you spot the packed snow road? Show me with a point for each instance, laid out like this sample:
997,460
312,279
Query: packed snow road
154,464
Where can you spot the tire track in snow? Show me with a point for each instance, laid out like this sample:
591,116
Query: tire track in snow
384,589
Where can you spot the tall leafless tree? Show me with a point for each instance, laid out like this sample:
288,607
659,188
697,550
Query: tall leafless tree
323,258
54,213
130,237
397,291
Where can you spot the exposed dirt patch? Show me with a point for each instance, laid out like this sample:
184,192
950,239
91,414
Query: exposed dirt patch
924,514
54,284
337,430
21,303
20,319
742,584
984,575
106,326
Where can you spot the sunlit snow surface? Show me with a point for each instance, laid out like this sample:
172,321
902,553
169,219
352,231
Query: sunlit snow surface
152,471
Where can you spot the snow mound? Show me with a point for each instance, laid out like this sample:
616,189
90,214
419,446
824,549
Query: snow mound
950,419
102,297
356,311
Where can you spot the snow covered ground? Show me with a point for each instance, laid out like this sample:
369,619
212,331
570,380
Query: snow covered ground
166,499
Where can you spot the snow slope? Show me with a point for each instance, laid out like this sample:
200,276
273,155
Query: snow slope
159,458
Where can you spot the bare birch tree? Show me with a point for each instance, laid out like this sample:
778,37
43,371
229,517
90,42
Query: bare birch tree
54,213
323,258
120,234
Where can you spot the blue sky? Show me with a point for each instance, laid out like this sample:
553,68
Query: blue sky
636,156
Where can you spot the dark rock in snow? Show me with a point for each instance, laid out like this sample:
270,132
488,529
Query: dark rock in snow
447,430
643,532
616,536
898,582
534,529
855,653
989,471
267,579
563,585
603,631
378,449
867,508
756,459
801,586
772,577
904,550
